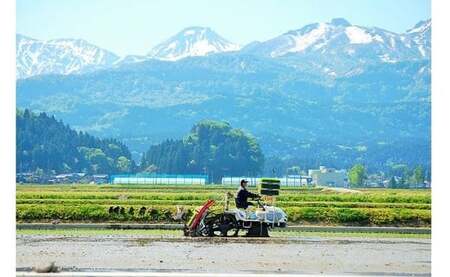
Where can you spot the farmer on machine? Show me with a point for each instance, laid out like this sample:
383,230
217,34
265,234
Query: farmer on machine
243,194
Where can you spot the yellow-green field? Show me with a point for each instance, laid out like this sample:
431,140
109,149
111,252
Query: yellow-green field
94,203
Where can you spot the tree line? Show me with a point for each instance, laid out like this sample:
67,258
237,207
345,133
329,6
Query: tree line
212,147
400,176
45,144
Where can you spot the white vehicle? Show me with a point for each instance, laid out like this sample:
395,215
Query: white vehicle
231,221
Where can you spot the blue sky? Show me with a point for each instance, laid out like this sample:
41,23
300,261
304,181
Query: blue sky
134,27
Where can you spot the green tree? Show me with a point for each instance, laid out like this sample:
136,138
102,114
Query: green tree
400,170
357,175
39,172
402,183
97,158
212,147
123,164
419,175
45,143
393,183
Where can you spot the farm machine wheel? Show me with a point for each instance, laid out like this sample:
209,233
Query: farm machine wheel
258,230
223,225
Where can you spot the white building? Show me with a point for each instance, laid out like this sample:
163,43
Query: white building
328,177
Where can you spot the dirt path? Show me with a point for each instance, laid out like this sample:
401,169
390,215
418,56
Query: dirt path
237,255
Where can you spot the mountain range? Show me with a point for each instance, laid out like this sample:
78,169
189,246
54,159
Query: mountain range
328,93
59,56
333,48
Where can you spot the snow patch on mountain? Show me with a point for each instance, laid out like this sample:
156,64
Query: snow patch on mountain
304,41
420,27
357,35
191,42
59,56
422,51
387,59
343,47
420,37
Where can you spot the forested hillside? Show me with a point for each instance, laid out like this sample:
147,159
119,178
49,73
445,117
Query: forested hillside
45,144
212,147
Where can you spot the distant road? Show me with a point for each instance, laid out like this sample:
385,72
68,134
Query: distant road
138,253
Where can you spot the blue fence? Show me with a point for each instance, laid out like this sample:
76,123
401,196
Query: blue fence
159,179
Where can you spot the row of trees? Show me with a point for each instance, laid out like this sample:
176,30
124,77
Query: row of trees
212,147
357,176
46,145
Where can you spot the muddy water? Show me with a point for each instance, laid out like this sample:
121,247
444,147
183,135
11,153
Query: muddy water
303,255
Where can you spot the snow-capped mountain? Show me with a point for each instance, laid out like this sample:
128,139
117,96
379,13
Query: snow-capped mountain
336,47
192,41
59,56
420,36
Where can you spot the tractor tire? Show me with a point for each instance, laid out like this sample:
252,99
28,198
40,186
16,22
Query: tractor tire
258,230
222,225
